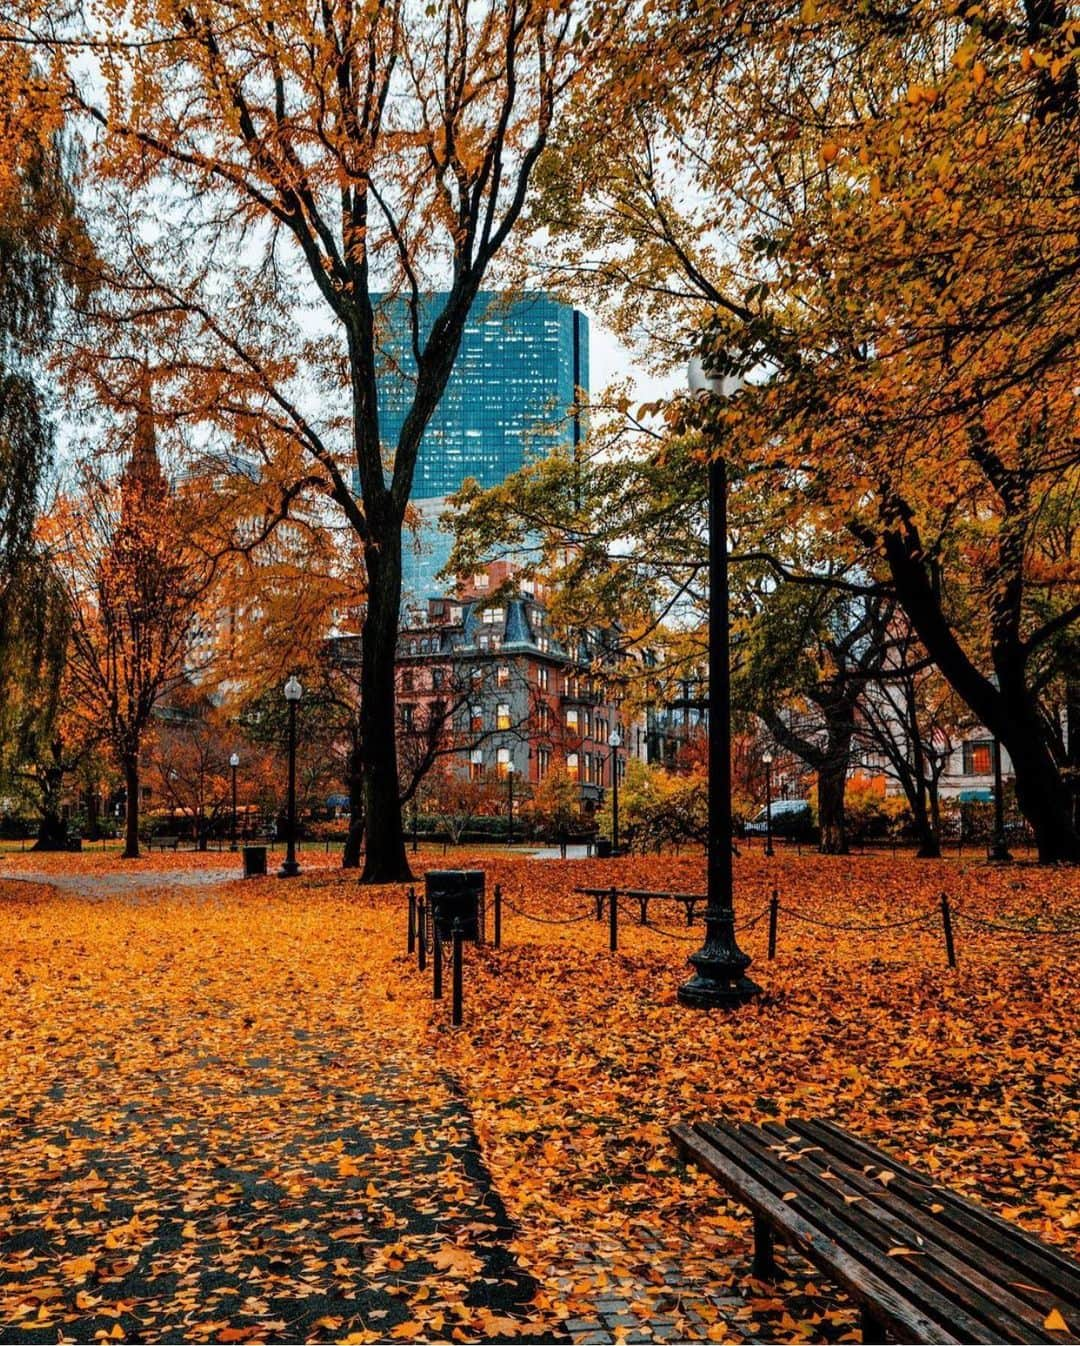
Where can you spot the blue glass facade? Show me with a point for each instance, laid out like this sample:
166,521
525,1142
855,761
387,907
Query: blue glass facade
509,397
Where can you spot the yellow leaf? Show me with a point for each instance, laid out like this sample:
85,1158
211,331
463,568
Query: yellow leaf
1054,1322
790,1196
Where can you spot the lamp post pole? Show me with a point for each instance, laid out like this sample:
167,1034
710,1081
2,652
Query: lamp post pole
615,742
719,979
767,758
510,803
293,693
234,762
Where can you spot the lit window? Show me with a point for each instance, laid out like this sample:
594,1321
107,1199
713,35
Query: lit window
543,677
572,718
476,721
572,765
491,616
502,676
502,715
503,761
482,580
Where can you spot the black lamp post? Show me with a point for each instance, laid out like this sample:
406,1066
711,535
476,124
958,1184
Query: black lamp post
614,743
719,978
767,758
999,847
234,762
510,803
293,693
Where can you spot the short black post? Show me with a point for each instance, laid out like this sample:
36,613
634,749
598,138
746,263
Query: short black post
421,935
613,920
774,909
436,966
946,921
412,920
498,916
458,945
599,906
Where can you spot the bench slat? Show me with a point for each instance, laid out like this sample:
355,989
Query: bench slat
899,1315
890,1223
1008,1242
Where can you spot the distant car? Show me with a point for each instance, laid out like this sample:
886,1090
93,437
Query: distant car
790,818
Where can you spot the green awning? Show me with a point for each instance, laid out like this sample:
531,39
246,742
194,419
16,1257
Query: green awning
976,796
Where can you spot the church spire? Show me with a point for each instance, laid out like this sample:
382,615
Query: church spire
143,468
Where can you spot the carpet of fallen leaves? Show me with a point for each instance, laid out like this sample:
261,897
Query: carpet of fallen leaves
234,1113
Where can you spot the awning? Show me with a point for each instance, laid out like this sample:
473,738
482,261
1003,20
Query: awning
976,796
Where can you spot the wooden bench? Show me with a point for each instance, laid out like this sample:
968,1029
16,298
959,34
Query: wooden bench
163,843
688,901
923,1264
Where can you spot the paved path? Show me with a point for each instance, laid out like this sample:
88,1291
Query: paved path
112,884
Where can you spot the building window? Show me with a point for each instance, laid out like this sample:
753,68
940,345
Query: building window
491,616
481,580
543,677
502,715
543,762
588,769
978,758
502,758
438,679
407,679
407,718
476,719
572,718
502,676
572,765
543,716
476,764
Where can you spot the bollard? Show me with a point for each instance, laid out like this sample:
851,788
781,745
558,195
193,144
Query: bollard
458,946
412,920
436,966
774,908
599,906
421,936
498,916
946,921
613,920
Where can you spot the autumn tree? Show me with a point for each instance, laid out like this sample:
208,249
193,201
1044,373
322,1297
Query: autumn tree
315,163
872,206
133,587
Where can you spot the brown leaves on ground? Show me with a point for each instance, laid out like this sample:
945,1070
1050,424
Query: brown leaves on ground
240,1112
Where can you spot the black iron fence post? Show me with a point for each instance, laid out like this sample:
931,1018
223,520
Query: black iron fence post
774,909
412,920
456,1014
946,921
498,916
613,920
421,935
436,966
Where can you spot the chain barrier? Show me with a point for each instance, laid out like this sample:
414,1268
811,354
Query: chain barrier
1061,931
547,920
855,926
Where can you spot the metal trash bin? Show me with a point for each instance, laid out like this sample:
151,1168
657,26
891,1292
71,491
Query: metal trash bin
254,861
455,894
603,848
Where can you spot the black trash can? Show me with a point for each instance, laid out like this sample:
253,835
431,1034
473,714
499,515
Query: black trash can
254,861
456,894
603,848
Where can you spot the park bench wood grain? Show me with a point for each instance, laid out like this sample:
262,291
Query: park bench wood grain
922,1263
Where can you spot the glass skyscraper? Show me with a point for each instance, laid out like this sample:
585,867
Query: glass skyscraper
510,396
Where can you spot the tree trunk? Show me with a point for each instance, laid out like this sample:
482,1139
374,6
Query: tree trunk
832,783
929,844
1043,800
52,830
385,860
131,828
350,857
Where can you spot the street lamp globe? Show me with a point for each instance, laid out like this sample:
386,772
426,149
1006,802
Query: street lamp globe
701,381
767,757
293,690
614,739
234,760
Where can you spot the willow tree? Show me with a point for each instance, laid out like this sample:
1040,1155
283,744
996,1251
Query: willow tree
273,171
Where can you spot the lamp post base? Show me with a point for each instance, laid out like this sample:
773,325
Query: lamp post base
999,853
289,870
719,980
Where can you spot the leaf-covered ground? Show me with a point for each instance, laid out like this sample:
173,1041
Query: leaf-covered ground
232,1112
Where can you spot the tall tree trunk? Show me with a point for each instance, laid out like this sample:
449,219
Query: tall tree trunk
350,858
925,833
385,860
832,784
1043,800
1072,742
131,827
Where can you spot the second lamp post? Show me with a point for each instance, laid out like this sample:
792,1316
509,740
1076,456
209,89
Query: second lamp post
767,758
293,692
615,743
234,762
